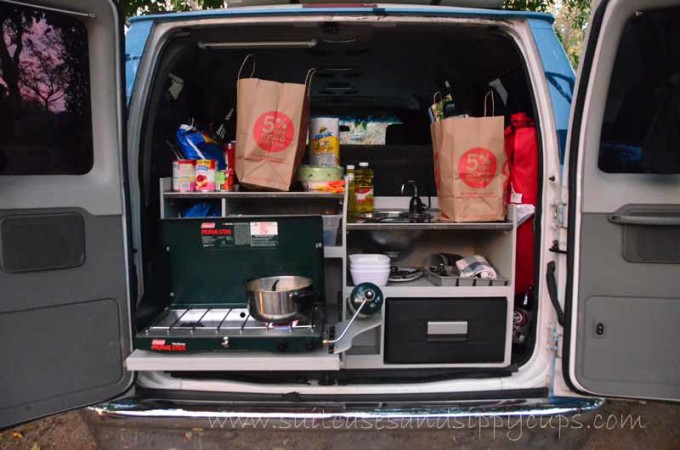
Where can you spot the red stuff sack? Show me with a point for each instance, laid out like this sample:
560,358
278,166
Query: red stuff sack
521,148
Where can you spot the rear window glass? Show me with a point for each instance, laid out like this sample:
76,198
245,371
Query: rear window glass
367,130
45,119
641,126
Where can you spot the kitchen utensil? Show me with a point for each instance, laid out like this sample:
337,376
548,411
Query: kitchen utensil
280,299
404,274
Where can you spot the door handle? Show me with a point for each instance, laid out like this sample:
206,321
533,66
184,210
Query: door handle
646,220
551,281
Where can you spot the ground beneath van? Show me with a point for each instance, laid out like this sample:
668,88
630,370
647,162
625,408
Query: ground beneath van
69,431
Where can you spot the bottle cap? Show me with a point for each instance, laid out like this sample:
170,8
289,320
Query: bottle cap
363,164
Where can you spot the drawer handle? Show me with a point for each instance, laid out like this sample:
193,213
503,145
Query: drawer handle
441,329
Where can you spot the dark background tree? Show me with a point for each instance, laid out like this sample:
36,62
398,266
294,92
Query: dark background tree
14,22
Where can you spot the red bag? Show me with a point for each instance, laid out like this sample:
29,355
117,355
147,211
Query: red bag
521,148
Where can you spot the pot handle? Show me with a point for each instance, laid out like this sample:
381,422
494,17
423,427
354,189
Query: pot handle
306,295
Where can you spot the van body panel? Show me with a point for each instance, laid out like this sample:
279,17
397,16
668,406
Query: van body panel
622,264
65,287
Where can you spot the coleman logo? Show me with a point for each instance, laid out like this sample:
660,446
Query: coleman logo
160,345
221,232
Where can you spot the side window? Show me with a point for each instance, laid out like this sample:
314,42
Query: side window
641,126
369,130
45,118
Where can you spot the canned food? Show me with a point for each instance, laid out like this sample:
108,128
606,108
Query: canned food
205,175
183,175
230,175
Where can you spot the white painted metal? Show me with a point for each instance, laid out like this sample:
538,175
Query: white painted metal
143,360
536,372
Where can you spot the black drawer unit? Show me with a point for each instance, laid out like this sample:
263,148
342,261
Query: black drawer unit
445,330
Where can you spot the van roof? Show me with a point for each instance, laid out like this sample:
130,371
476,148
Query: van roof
300,9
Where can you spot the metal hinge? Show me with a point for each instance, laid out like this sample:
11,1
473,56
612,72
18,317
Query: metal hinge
555,338
560,214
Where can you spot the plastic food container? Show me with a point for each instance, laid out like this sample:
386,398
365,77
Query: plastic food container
330,229
312,173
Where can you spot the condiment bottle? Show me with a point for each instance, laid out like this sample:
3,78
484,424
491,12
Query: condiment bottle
363,188
351,196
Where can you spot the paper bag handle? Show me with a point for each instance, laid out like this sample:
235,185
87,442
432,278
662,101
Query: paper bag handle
308,80
248,56
493,103
434,96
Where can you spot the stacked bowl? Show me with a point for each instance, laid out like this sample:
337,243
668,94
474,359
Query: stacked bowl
369,268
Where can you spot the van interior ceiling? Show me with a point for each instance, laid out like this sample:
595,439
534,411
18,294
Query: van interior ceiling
362,70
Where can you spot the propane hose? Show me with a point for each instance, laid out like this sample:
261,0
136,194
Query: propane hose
342,335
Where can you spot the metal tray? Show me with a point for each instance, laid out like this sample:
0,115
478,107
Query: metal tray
453,280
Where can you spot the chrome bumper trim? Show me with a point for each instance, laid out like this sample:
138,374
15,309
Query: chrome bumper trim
168,414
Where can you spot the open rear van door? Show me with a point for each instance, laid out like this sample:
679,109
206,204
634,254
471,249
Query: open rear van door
622,326
64,292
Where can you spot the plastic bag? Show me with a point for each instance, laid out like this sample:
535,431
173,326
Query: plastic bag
201,210
195,145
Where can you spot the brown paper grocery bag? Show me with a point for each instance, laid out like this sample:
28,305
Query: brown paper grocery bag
470,168
271,129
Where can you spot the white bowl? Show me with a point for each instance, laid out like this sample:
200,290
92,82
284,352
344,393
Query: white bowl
377,277
369,258
369,266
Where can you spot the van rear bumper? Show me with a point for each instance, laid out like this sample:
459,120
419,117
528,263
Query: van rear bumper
159,414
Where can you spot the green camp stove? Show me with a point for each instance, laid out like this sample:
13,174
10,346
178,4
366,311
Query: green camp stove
210,262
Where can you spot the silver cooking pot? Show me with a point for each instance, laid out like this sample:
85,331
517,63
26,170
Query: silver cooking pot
280,299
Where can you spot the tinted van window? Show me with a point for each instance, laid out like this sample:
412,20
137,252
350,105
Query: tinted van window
641,127
45,120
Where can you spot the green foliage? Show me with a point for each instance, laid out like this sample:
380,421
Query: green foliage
135,7
571,18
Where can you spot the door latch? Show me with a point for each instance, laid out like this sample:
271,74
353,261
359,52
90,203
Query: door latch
556,248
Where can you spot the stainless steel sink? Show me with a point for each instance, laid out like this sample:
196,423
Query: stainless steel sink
394,243
394,216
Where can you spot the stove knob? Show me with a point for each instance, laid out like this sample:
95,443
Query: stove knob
281,346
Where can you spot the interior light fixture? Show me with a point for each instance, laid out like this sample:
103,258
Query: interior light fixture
256,44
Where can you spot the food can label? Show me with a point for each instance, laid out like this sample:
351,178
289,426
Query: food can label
205,175
184,178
